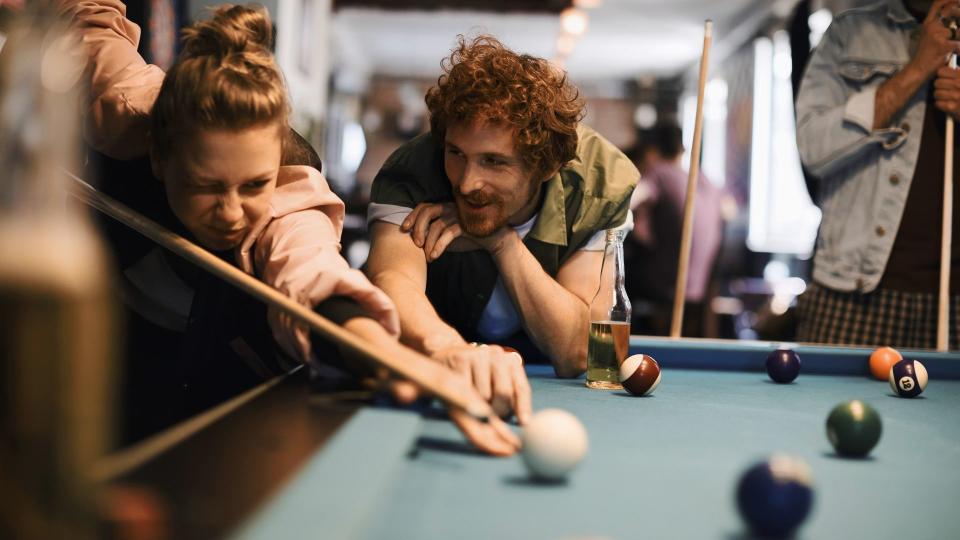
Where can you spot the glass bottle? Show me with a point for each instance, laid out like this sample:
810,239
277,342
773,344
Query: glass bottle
609,338
57,332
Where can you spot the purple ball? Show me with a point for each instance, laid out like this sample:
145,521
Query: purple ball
783,365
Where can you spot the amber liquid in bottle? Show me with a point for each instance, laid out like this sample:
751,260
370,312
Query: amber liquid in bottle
609,336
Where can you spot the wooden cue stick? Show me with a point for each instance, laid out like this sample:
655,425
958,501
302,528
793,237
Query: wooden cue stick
685,239
402,361
943,306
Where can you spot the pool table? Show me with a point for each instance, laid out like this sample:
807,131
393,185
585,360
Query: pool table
663,466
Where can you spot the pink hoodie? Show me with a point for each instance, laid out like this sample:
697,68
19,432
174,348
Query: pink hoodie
295,246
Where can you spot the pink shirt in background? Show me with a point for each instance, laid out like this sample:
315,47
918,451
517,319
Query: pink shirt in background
658,219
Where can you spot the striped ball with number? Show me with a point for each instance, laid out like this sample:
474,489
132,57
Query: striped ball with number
908,378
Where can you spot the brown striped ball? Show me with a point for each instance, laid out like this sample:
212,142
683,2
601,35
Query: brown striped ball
640,374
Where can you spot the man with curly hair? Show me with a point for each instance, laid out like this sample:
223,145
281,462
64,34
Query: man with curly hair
490,228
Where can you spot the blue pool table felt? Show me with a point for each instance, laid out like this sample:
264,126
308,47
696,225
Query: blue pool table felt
664,466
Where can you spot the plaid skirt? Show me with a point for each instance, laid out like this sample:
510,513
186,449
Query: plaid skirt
882,317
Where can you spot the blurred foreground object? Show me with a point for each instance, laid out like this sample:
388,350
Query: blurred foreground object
56,324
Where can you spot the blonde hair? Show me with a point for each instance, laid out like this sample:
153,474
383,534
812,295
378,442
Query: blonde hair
225,77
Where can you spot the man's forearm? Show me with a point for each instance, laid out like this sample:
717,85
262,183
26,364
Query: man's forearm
893,95
555,318
422,328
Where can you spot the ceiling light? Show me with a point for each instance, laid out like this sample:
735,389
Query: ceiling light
645,116
573,21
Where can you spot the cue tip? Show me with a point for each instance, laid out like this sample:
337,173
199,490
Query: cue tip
708,28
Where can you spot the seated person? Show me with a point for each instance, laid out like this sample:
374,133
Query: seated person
507,167
653,249
218,135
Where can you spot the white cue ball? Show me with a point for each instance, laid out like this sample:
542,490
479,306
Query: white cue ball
554,443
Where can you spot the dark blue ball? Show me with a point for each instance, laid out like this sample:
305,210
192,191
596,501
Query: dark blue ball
783,365
775,496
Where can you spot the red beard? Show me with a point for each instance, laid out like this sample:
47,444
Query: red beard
480,215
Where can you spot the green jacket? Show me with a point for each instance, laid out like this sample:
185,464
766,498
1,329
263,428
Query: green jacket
589,194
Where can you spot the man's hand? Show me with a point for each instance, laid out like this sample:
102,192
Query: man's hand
435,227
932,51
497,374
935,38
946,91
432,226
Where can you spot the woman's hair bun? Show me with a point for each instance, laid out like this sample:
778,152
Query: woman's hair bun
232,29
225,78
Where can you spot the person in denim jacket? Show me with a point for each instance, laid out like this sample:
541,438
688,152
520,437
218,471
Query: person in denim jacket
870,126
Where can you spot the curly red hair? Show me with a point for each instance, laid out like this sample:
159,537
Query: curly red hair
485,81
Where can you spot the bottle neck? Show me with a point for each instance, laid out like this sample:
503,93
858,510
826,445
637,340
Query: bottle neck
619,269
611,301
613,258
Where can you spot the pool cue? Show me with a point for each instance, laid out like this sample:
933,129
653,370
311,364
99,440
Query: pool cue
683,265
946,236
402,361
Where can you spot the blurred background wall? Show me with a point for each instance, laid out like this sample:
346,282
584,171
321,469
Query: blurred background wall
357,71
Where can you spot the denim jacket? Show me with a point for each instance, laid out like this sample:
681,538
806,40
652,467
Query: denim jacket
864,173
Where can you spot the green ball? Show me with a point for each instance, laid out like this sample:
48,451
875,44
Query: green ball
853,428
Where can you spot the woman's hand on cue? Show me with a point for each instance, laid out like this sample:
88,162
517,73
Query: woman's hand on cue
505,383
497,374
492,437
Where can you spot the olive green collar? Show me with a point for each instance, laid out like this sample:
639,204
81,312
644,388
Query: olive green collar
551,224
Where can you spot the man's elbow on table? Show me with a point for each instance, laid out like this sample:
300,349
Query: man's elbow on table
572,368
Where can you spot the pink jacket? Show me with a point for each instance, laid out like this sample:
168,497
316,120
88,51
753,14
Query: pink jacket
295,247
